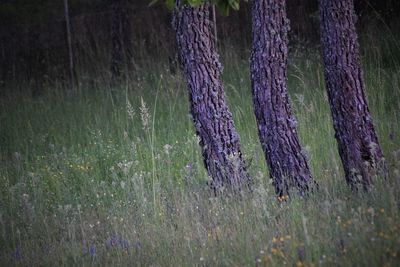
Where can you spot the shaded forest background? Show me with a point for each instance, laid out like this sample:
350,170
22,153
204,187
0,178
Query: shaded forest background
33,44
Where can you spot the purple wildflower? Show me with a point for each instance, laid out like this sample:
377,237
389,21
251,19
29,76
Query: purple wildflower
16,255
47,249
124,243
189,168
112,242
301,254
117,241
138,245
92,252
188,172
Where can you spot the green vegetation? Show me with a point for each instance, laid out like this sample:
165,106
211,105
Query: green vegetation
114,176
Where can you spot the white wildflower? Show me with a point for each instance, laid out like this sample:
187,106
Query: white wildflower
144,115
129,110
167,149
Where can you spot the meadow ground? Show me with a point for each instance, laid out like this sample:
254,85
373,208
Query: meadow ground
113,176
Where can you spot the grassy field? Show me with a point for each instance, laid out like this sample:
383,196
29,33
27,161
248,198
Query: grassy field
113,176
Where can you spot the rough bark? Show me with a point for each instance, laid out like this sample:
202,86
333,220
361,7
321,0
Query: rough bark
357,141
276,124
212,120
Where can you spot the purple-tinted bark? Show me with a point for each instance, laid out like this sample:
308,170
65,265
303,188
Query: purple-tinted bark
276,125
212,120
358,144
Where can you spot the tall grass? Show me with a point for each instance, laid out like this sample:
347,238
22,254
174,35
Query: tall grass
114,176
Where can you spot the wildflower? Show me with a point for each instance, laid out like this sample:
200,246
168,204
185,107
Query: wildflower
144,115
167,149
300,99
129,110
92,252
188,171
138,245
301,254
124,243
16,255
283,198
371,211
189,167
234,159
110,243
274,251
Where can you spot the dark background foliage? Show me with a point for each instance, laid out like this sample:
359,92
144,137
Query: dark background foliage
33,43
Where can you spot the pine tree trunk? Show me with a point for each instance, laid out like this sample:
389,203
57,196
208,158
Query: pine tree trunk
212,120
276,125
358,144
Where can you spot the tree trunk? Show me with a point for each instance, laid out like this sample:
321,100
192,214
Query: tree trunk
215,29
276,125
358,144
212,120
